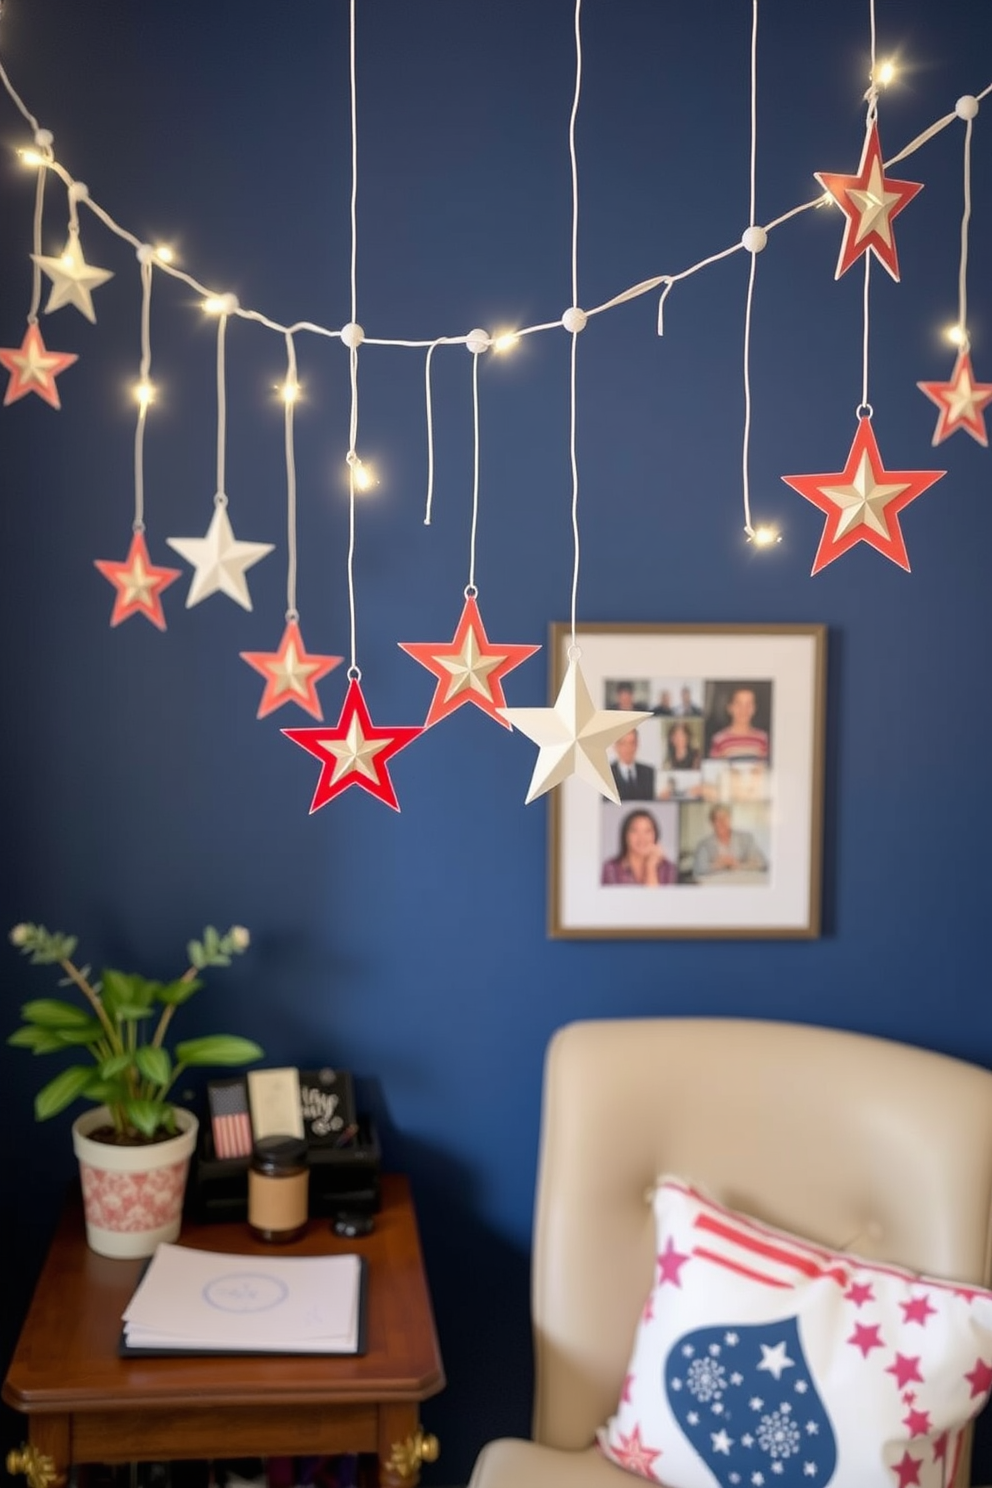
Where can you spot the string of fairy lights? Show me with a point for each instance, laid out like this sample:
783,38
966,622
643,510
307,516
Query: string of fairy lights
861,502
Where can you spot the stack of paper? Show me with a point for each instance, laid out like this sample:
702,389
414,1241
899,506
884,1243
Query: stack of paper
190,1300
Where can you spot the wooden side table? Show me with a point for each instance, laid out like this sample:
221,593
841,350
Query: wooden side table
84,1403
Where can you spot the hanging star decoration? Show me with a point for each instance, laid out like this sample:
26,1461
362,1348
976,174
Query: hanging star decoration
291,673
33,368
870,201
573,737
961,401
863,501
73,279
139,584
469,667
353,752
220,560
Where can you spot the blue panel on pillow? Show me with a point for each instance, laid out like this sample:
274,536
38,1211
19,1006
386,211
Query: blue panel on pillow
748,1404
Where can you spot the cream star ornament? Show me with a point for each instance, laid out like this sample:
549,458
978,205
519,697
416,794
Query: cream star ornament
469,667
73,279
870,201
862,501
961,401
291,673
353,751
139,584
573,737
220,560
33,368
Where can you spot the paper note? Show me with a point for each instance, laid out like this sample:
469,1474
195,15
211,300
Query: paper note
199,1299
274,1096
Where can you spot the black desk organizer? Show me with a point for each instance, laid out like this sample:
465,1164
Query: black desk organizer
342,1179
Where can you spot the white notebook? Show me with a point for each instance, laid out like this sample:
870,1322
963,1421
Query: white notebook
190,1300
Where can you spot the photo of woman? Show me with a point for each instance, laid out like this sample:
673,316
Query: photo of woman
640,858
682,753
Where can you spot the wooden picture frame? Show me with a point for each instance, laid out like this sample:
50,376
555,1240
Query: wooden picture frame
727,774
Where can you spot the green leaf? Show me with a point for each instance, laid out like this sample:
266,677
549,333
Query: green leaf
126,995
62,1091
87,1033
50,1013
218,1048
40,1040
148,1115
115,1065
174,994
154,1064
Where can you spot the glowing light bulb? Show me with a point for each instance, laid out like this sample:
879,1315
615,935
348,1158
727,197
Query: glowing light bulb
145,393
505,341
765,536
955,334
364,476
885,73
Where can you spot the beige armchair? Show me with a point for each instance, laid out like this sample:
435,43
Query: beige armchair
852,1141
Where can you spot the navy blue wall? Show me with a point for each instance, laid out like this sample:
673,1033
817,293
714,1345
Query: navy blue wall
140,796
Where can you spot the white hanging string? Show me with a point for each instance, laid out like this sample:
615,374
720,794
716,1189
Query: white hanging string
144,393
353,671
220,496
471,590
292,386
864,408
18,101
575,301
965,342
746,449
39,210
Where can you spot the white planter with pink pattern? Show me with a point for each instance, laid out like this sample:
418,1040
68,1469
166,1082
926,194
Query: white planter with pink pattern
132,1196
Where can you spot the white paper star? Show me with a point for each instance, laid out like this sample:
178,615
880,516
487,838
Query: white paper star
220,560
73,279
573,737
775,1359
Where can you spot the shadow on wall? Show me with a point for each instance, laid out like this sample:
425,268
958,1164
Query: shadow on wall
480,1286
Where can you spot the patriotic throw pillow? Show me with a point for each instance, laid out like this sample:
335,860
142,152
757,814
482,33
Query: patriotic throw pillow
766,1362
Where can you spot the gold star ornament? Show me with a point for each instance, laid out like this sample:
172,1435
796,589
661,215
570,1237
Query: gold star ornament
73,279
573,737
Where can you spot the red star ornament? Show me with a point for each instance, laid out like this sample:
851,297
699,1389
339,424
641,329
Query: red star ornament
139,584
961,402
291,673
353,752
469,667
862,501
33,368
870,201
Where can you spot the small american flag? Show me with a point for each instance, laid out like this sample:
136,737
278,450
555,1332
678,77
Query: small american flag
229,1119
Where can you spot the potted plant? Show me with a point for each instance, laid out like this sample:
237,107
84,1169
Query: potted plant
134,1147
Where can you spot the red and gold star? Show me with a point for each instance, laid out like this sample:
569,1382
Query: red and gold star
139,584
961,401
353,752
862,501
291,673
469,667
870,201
33,368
